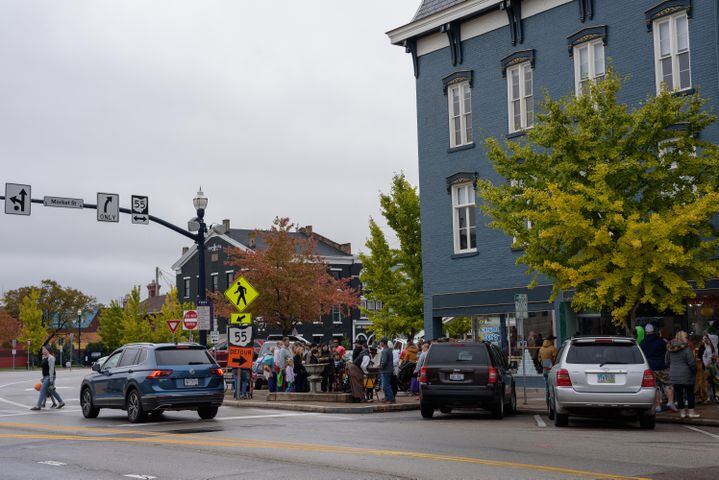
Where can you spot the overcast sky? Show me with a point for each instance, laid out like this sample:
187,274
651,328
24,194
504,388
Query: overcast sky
284,108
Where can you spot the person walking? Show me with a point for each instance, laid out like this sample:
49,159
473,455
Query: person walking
655,349
546,357
386,368
682,370
48,381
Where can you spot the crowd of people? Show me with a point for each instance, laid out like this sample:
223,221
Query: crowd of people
686,370
363,372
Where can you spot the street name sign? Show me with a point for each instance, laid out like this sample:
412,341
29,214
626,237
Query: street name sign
214,337
239,357
241,294
172,325
17,199
63,202
189,320
140,210
204,314
241,318
108,207
239,336
521,306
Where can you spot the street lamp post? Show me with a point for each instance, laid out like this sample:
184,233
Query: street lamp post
200,204
79,329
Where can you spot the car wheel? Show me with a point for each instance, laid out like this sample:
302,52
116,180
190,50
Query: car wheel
561,419
445,410
88,410
135,413
426,410
498,410
511,407
648,422
207,413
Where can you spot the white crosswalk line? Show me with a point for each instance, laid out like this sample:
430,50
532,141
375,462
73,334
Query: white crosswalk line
10,402
540,422
709,434
52,463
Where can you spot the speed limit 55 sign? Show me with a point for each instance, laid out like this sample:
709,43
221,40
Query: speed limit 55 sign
239,336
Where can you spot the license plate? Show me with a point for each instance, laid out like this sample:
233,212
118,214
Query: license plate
605,378
456,377
191,382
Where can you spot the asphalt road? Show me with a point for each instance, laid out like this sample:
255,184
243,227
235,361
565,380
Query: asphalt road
272,444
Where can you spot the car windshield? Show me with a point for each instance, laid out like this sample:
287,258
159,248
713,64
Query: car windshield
187,356
466,354
604,354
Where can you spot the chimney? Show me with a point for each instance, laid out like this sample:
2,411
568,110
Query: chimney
252,240
185,249
153,289
307,230
346,248
226,224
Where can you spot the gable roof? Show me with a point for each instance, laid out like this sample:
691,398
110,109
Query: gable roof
154,304
430,7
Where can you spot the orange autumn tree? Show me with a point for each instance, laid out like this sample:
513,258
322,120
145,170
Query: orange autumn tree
9,327
295,284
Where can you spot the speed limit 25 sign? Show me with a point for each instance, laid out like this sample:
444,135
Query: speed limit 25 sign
239,336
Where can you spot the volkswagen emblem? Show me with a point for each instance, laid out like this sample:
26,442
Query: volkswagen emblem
192,371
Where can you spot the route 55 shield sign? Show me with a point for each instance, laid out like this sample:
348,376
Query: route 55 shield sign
239,336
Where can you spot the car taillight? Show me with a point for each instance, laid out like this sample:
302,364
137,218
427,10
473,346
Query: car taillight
159,374
423,375
492,375
563,379
648,379
217,371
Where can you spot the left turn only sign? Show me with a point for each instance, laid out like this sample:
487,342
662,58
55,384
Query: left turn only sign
108,207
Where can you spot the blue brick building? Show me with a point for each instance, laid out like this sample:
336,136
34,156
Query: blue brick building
481,66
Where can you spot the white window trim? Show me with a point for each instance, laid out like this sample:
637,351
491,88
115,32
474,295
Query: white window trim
214,277
673,39
463,88
591,60
186,293
522,98
338,309
455,219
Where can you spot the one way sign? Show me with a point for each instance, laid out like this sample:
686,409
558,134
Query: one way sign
140,210
17,199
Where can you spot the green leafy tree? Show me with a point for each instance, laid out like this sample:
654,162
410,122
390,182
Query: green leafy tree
135,326
30,316
620,200
458,327
112,325
58,305
393,276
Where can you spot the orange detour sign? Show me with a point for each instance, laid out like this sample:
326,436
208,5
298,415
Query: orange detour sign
239,357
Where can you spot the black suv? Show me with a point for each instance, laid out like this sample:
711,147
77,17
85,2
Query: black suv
466,375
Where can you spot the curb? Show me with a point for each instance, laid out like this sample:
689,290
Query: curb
299,407
706,422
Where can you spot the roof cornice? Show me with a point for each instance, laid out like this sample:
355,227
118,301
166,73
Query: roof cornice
434,21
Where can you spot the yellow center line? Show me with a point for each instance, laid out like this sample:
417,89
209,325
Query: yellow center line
189,440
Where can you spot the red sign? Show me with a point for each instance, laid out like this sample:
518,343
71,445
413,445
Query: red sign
189,320
239,357
172,325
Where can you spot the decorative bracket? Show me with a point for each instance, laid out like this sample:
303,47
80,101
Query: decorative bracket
452,29
514,14
667,7
410,46
586,10
586,35
462,177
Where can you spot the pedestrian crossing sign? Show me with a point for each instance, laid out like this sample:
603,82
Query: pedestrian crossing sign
241,294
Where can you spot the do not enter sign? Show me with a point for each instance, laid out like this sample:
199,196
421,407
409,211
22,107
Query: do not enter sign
189,320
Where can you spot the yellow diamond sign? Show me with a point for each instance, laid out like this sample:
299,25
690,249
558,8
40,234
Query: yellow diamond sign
241,318
241,294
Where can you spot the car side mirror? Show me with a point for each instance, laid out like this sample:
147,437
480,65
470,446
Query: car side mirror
96,367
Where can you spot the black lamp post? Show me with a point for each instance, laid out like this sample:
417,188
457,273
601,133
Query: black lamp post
79,330
200,204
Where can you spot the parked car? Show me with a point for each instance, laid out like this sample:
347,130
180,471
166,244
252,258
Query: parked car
148,378
599,375
466,375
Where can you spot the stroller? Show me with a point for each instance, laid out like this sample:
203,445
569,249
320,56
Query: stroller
404,378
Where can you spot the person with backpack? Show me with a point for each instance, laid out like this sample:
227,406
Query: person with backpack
48,381
682,371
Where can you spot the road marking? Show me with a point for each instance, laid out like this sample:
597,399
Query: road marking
15,383
56,388
702,431
540,422
141,477
243,417
52,463
10,402
251,443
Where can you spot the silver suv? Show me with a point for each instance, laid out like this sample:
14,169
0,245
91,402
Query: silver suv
595,375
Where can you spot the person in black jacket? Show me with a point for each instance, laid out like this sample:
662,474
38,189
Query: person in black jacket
301,383
386,370
655,349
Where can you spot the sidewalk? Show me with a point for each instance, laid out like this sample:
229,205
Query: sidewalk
404,403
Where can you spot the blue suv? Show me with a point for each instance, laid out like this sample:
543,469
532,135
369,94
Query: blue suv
149,378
